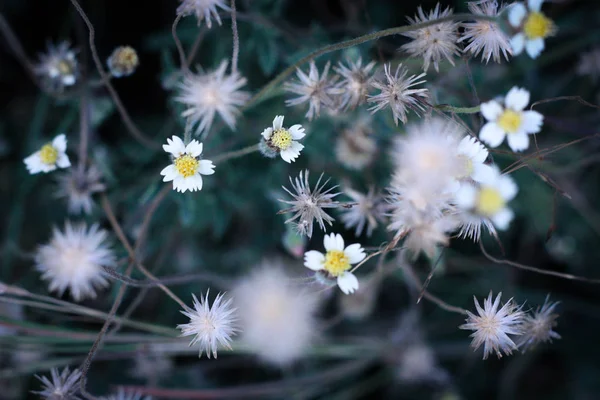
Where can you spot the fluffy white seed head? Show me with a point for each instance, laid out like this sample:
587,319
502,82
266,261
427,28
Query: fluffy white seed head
203,10
316,89
354,85
538,326
486,37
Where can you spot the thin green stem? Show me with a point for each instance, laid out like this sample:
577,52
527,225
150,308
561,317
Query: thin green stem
235,154
457,110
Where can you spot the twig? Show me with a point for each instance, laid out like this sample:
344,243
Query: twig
180,51
236,39
235,154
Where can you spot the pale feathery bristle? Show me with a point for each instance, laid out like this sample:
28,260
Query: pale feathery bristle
486,37
354,85
538,326
318,90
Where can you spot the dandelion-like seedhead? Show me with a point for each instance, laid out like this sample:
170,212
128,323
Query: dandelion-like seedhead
58,67
538,326
317,90
486,37
355,147
78,186
63,386
354,86
203,10
368,213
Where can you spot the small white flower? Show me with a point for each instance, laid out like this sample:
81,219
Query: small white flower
284,141
492,326
74,260
62,387
537,326
203,9
58,66
316,90
211,326
187,170
210,93
337,261
473,155
533,27
486,37
510,120
485,202
354,85
49,157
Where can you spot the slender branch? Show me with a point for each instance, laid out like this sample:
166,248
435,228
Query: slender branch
169,280
236,39
235,154
180,51
84,129
457,110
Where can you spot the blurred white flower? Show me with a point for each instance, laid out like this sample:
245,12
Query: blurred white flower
78,186
396,93
283,141
473,155
354,86
62,387
277,317
486,37
337,261
493,326
316,90
203,10
49,157
510,121
368,212
74,260
537,326
435,41
533,27
187,169
211,326
210,93
58,66
427,234
589,64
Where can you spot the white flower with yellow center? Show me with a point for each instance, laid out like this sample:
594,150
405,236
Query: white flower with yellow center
533,27
510,120
49,157
471,155
486,202
187,170
283,141
337,261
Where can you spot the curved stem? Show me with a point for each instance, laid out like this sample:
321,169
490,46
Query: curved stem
235,154
236,39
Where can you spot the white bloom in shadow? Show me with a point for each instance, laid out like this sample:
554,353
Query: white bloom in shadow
284,141
187,169
51,156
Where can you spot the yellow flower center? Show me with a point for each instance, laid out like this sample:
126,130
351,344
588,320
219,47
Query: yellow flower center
186,165
48,154
510,121
336,262
64,67
489,201
538,26
281,138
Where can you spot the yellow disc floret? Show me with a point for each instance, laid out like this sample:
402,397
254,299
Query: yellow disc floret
281,138
510,121
48,154
336,262
489,201
466,167
186,165
538,26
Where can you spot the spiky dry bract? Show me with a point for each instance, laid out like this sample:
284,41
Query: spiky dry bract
64,386
203,9
316,90
58,66
493,326
397,93
77,186
354,86
537,326
486,37
74,260
589,64
209,93
308,204
369,211
433,42
123,395
211,326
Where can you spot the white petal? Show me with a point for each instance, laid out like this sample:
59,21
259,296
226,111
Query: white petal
174,146
534,47
267,133
516,14
502,218
314,260
278,122
355,253
194,148
532,121
291,153
194,182
297,132
517,99
517,43
206,167
491,110
179,184
347,282
480,172
63,161
508,188
465,196
491,134
33,163
333,242
535,5
518,141
170,173
60,143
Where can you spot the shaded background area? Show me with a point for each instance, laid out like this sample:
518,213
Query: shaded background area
233,224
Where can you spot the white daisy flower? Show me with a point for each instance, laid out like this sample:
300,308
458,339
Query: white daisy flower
187,170
211,326
486,203
203,9
58,66
510,120
533,27
486,37
337,261
492,326
74,260
283,141
316,90
49,157
473,155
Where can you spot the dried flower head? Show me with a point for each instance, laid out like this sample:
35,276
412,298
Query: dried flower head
51,156
493,326
123,61
435,41
211,326
537,326
308,204
58,66
486,37
187,168
354,86
77,186
62,387
316,90
396,93
203,10
74,260
369,211
210,93
355,147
